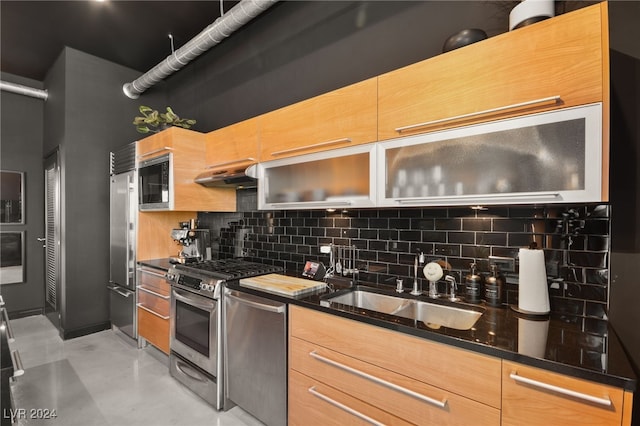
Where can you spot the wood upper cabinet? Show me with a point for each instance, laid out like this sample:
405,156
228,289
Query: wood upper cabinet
341,118
188,151
341,363
233,146
531,396
566,56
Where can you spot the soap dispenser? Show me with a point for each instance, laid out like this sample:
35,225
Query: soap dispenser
473,285
493,287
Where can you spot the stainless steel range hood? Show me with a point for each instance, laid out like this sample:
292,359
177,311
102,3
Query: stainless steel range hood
228,178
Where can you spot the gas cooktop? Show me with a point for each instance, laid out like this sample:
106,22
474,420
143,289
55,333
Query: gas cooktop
206,277
228,269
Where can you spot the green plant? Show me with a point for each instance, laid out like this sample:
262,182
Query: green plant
153,121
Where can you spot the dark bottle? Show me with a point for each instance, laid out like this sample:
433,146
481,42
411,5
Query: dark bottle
473,285
493,287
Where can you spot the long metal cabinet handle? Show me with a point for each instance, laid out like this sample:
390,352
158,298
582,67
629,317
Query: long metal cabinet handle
18,368
275,309
115,289
477,113
481,198
147,271
429,400
343,407
314,203
189,299
155,151
141,306
5,315
315,145
601,401
146,290
228,163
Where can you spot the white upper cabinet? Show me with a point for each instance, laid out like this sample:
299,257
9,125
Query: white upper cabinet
550,157
340,178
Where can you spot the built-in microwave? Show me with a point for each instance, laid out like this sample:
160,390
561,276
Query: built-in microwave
155,183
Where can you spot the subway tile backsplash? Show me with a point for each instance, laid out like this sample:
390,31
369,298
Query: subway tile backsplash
575,239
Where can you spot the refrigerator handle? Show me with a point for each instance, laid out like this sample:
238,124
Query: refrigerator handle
116,289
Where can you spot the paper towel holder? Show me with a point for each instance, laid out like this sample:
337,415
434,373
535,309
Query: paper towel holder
540,295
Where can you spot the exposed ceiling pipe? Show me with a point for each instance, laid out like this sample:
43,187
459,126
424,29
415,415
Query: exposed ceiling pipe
24,90
220,29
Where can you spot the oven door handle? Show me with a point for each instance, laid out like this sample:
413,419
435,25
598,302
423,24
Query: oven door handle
276,309
185,369
190,299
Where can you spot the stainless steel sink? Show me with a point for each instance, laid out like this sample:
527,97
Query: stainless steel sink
371,301
433,314
436,316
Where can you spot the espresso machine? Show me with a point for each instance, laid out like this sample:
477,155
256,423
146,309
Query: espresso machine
194,243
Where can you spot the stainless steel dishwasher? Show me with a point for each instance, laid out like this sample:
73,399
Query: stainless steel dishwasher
255,342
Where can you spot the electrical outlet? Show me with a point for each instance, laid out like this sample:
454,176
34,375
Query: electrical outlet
505,264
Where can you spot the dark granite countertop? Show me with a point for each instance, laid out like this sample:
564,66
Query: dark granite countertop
556,343
163,264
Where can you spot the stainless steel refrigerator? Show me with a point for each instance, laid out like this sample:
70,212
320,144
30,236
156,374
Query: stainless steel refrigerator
122,240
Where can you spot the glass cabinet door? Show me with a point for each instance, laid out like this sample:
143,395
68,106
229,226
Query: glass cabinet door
339,178
548,157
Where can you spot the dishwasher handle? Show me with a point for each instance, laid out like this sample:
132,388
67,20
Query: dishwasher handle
262,306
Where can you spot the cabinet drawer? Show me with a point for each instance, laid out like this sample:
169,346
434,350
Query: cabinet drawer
402,396
153,329
313,403
529,400
429,362
154,280
154,302
566,56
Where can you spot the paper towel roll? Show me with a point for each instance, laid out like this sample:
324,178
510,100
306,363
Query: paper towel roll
533,293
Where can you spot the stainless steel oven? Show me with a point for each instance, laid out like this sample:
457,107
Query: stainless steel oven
194,329
196,338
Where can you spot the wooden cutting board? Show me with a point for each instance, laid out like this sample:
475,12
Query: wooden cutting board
282,284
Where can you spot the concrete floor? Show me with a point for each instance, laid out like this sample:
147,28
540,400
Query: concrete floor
102,379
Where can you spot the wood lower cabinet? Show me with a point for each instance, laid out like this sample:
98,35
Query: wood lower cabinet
153,329
407,378
346,372
188,160
531,396
153,308
338,119
566,56
313,403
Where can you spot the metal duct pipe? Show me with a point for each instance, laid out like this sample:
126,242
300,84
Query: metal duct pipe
220,29
23,90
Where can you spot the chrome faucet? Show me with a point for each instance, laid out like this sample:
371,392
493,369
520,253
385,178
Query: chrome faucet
417,288
452,288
